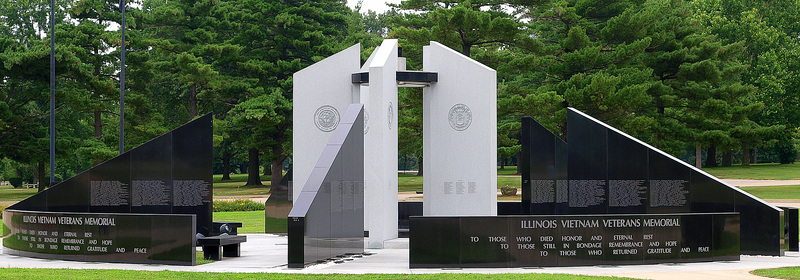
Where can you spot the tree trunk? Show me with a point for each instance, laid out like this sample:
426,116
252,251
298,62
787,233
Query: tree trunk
745,154
711,156
268,167
502,163
277,170
40,176
727,158
226,166
252,170
192,101
755,155
698,155
419,166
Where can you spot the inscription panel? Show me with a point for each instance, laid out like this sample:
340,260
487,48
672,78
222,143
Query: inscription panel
127,238
611,172
565,240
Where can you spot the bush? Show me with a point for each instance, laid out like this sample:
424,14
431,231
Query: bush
787,153
508,190
237,205
15,181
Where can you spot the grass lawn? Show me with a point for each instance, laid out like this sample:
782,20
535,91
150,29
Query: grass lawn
59,274
509,170
410,182
198,258
762,171
791,273
252,221
9,195
774,192
235,186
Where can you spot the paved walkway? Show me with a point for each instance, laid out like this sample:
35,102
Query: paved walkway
267,253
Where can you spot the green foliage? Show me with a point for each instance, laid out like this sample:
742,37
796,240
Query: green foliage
15,181
237,205
506,190
767,31
787,152
719,74
2,207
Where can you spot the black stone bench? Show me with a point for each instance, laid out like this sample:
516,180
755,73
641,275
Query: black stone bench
228,245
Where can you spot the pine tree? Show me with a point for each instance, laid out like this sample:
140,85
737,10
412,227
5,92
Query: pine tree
276,40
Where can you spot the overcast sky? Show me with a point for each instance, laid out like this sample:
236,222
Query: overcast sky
378,6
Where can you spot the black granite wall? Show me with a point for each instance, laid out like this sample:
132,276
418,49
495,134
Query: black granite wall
91,237
545,157
170,174
572,240
327,219
610,172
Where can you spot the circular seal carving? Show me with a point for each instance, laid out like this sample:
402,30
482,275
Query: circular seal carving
326,118
390,115
460,117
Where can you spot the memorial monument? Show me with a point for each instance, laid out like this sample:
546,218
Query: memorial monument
143,206
572,240
459,113
459,124
327,219
605,171
603,199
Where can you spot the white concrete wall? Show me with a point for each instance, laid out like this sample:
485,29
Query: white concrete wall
460,135
322,93
380,140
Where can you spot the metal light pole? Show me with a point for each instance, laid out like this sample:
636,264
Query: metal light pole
122,82
52,91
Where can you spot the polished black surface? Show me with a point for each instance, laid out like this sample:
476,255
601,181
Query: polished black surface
587,166
109,188
544,161
126,238
72,198
762,227
167,176
435,243
611,172
401,76
192,174
327,220
170,174
791,228
486,246
572,240
417,76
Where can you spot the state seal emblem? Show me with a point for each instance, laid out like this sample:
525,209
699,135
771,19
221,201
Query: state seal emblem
460,117
326,118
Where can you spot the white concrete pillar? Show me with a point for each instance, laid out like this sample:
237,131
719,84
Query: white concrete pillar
460,135
322,93
380,140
